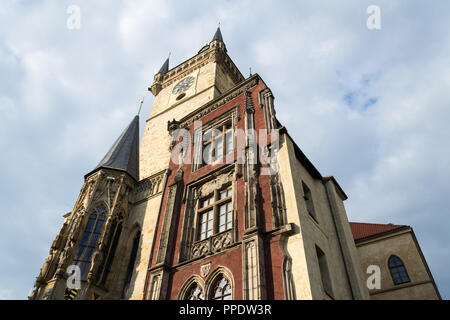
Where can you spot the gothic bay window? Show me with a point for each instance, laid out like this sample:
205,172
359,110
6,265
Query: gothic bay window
217,143
89,239
215,213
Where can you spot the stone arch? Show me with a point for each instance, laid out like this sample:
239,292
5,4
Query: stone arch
188,285
213,277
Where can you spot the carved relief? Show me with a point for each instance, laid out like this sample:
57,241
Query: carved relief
278,201
215,184
221,241
204,269
213,244
200,248
65,258
149,187
48,268
97,259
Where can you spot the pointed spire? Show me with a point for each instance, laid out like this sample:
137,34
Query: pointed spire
165,66
123,155
218,35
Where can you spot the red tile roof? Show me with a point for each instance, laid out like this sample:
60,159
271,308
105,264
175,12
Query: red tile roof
364,230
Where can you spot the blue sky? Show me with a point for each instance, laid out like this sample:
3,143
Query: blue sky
367,106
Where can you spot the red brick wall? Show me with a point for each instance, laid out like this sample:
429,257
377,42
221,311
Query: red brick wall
230,258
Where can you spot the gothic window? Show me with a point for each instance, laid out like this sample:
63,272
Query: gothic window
398,270
215,213
89,239
222,289
132,261
111,246
195,292
324,272
309,201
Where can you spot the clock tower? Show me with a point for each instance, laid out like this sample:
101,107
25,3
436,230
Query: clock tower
181,90
178,91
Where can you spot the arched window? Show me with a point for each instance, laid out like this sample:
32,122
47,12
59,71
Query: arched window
398,270
132,261
222,289
195,292
111,247
89,240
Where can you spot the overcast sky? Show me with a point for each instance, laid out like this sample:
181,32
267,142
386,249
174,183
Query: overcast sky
370,107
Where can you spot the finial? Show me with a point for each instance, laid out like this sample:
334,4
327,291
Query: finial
250,71
142,102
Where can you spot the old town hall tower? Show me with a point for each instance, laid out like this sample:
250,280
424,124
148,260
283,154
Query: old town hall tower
216,202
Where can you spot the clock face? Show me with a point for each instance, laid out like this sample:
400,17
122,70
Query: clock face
183,85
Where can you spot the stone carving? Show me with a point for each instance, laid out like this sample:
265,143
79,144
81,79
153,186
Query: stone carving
249,102
97,258
204,269
76,229
149,187
278,201
215,184
200,248
212,245
65,258
222,240
47,269
58,243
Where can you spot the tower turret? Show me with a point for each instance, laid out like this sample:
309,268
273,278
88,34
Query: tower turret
95,231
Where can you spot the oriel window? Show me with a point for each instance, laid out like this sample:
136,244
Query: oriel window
215,213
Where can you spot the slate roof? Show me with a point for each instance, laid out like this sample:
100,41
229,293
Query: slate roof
218,35
165,67
124,153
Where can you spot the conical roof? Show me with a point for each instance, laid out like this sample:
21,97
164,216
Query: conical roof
165,67
218,35
124,153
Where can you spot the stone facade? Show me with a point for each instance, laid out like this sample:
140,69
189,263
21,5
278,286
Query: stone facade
223,204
